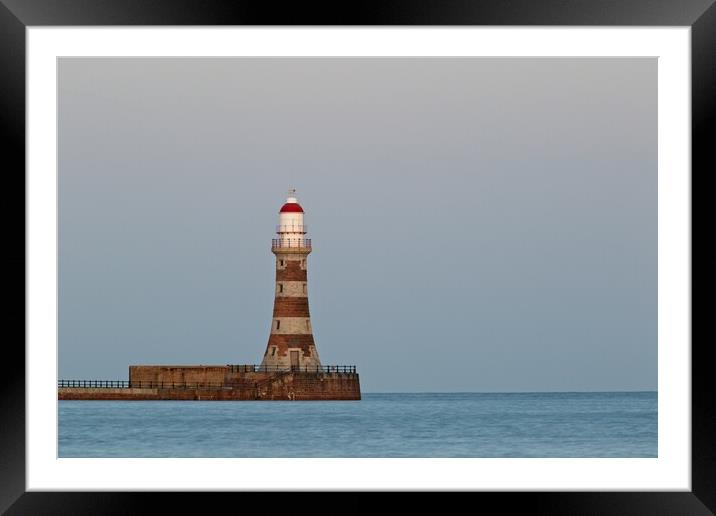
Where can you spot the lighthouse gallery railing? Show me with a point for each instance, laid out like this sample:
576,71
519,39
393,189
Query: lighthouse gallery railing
283,243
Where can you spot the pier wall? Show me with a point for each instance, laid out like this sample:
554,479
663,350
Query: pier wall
178,374
222,383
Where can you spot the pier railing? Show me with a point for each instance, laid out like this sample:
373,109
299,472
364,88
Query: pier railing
250,368
104,384
124,384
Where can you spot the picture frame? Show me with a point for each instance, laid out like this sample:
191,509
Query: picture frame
16,16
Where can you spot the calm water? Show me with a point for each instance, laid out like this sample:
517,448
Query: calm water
380,425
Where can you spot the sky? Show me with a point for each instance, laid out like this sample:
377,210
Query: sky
478,224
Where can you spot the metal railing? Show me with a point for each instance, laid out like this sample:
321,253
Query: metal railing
279,243
243,368
250,368
103,384
113,384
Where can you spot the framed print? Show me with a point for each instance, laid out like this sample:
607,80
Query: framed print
500,205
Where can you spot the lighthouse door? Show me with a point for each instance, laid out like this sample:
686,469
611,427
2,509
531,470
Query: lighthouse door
294,360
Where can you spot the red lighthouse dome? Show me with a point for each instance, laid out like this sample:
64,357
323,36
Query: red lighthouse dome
291,207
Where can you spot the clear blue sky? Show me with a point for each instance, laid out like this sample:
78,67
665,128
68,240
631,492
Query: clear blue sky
478,224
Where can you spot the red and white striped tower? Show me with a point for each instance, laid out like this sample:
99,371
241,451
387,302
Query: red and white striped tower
291,344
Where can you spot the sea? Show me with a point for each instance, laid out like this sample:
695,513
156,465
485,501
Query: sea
596,424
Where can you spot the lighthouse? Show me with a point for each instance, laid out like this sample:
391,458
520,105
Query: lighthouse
291,345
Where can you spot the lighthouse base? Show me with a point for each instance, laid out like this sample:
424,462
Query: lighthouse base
216,383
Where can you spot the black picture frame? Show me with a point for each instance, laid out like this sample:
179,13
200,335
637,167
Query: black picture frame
16,15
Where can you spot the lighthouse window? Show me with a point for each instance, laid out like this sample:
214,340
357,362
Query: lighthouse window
280,287
273,350
304,288
278,324
281,262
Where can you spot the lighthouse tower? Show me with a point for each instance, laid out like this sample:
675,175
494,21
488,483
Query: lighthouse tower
290,344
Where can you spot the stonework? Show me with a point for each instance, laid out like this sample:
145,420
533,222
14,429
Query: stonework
291,271
298,387
222,383
278,348
291,289
285,306
291,328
